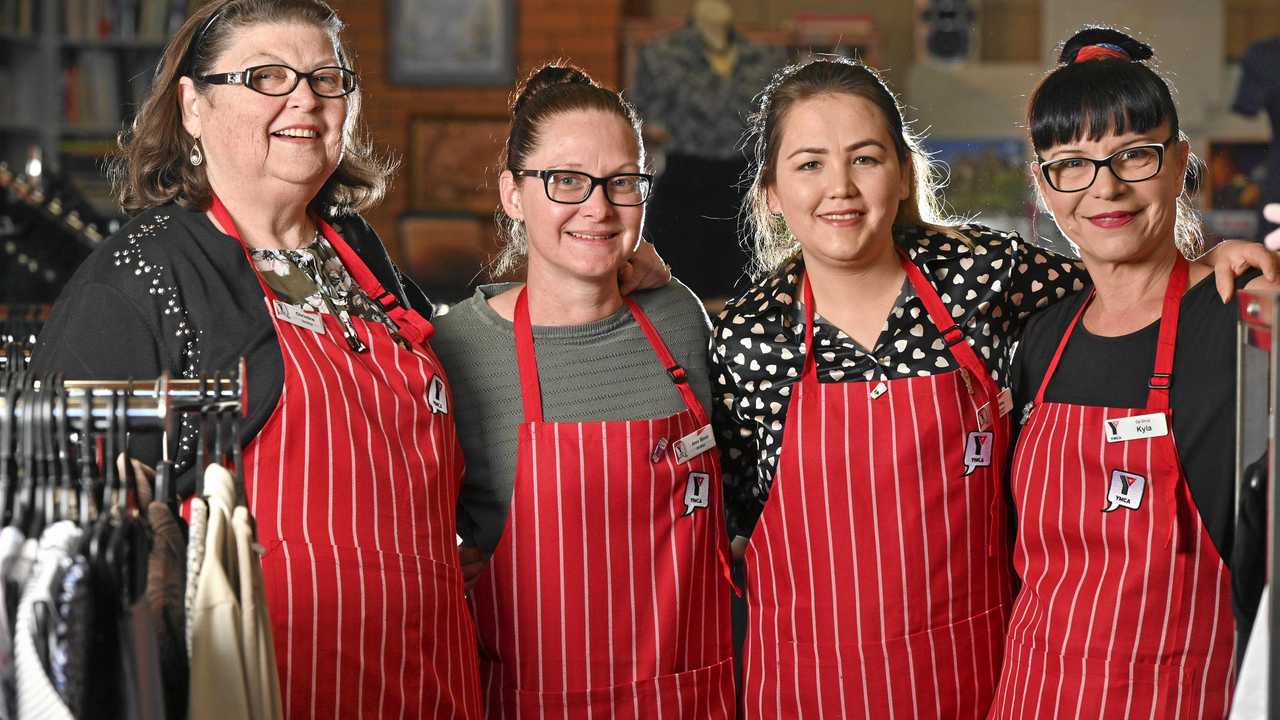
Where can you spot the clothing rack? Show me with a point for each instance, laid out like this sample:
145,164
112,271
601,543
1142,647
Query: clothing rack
67,480
149,404
1257,464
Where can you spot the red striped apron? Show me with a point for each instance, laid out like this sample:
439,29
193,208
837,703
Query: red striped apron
608,594
1125,610
876,584
354,482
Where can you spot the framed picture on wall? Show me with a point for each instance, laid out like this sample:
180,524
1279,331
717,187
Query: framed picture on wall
451,42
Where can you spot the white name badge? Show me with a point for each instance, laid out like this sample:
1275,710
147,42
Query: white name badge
1137,427
295,315
695,443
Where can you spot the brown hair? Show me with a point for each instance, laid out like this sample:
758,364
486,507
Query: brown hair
553,89
152,169
772,241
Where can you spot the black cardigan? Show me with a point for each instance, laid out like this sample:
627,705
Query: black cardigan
169,291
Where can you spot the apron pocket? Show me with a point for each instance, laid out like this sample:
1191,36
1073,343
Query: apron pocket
706,692
948,671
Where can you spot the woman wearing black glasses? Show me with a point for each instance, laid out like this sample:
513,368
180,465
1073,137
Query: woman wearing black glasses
245,173
1123,472
591,513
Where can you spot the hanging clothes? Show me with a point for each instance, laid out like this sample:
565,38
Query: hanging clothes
1125,610
878,583
608,594
361,569
37,696
226,663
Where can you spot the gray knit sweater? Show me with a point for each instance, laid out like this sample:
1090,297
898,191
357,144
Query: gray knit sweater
602,370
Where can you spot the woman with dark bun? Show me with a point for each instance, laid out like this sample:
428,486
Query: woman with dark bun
590,515
1122,476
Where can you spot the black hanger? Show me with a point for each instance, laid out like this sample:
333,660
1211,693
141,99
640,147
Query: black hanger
88,466
8,442
66,484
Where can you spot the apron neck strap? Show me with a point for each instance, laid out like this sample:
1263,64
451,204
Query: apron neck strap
1167,342
526,360
938,315
415,328
944,321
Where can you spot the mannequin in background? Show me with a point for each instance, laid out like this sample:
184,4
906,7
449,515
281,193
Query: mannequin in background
694,87
1260,91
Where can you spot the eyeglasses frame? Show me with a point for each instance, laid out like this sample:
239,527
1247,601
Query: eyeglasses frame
1106,162
242,77
545,176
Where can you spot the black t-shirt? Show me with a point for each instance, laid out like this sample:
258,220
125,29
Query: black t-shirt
170,292
1114,372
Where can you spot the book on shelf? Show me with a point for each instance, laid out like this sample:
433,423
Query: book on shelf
121,20
17,17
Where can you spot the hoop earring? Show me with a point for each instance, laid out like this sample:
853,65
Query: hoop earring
197,157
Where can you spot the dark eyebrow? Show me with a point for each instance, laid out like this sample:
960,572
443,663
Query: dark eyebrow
823,151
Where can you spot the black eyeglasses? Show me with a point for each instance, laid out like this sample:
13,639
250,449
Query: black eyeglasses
1133,164
571,188
277,80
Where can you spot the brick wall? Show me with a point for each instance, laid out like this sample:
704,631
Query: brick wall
585,31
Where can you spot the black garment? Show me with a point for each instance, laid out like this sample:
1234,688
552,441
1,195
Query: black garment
991,285
693,221
705,113
1114,372
1260,90
170,292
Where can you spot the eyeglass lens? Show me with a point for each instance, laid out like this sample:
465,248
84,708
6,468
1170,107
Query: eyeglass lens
282,79
573,187
1132,165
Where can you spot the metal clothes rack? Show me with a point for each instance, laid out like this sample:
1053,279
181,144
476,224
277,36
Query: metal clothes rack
1257,427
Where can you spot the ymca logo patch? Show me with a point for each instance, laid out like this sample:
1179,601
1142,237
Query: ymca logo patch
438,396
977,451
697,492
1126,491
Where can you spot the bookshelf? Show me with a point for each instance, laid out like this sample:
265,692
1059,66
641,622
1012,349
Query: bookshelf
72,72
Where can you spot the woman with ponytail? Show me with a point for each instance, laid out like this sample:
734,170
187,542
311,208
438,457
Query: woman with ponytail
1122,477
591,516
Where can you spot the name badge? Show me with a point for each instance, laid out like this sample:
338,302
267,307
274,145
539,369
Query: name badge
984,417
295,315
694,444
1137,427
1005,400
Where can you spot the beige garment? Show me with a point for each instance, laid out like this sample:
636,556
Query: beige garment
259,646
227,674
198,524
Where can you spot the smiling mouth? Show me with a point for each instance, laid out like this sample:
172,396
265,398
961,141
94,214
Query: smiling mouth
1112,219
848,217
299,133
595,237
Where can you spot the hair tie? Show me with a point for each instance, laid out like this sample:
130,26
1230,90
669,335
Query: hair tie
1101,51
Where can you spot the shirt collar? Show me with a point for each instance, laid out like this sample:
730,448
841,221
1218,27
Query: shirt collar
777,292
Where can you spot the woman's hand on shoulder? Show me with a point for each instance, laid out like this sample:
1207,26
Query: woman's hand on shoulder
644,270
1232,258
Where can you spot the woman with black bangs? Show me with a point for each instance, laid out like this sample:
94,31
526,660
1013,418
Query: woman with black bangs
1122,480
